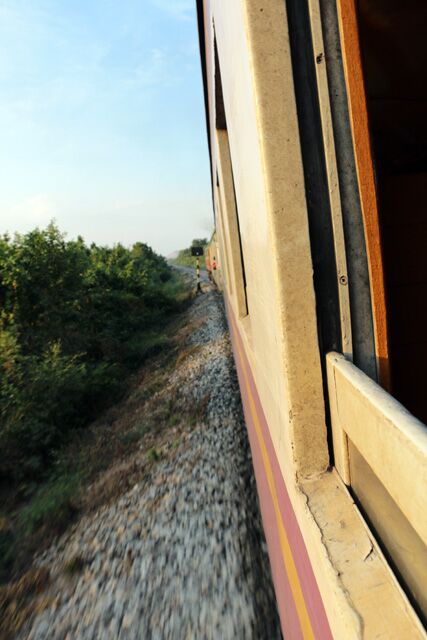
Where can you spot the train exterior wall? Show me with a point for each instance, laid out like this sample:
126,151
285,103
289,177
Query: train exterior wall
213,261
331,579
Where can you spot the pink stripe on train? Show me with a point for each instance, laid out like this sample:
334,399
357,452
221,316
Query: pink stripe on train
286,605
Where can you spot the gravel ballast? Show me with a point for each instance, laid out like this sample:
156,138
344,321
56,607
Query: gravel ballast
181,555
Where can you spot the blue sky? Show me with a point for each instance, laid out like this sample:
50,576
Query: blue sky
102,120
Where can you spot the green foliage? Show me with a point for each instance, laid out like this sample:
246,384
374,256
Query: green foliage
38,397
185,259
74,321
53,504
154,455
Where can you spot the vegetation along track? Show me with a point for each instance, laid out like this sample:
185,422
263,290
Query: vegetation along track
180,553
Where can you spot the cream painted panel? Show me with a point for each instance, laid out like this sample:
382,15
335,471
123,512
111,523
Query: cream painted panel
218,271
230,215
231,288
225,236
361,594
403,544
216,253
264,143
225,275
353,587
221,205
390,439
264,327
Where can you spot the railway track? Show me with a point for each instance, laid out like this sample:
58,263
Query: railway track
182,553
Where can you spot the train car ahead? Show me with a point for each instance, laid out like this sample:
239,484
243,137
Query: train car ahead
317,128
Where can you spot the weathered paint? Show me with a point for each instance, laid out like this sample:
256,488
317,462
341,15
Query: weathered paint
301,608
301,598
280,342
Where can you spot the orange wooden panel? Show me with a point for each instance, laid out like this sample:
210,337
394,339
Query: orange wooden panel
365,173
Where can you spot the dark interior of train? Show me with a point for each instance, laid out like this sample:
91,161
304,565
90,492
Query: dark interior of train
393,37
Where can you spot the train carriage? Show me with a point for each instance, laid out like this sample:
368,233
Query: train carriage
317,129
212,261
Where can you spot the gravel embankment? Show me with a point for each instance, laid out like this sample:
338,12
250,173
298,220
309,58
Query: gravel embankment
183,555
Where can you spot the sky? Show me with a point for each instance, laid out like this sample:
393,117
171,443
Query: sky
102,121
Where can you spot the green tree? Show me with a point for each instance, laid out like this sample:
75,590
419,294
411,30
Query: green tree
185,258
74,321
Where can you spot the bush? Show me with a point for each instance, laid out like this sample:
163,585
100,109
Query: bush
185,259
39,402
75,321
